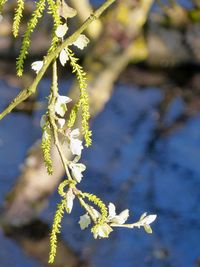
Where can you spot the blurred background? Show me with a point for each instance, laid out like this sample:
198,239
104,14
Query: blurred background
143,67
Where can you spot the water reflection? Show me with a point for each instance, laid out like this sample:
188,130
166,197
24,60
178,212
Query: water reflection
145,156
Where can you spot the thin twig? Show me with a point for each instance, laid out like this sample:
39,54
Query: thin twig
53,97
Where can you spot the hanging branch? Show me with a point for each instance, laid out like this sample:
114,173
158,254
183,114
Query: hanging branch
55,127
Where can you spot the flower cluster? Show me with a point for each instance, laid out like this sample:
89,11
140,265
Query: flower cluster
71,137
81,42
103,230
61,131
100,217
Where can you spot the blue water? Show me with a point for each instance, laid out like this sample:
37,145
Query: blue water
125,168
185,3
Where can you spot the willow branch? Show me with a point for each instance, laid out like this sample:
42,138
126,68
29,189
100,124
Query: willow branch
25,93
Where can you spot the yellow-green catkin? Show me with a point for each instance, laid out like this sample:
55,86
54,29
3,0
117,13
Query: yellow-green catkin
40,6
53,9
17,17
99,203
46,148
83,101
56,229
2,3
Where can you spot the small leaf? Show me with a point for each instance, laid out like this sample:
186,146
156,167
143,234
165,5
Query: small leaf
77,169
84,221
61,30
66,11
81,41
37,65
111,210
60,105
102,231
148,229
69,200
63,57
122,217
76,146
149,219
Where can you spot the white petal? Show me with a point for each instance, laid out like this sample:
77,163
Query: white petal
76,146
77,169
63,99
61,122
121,218
60,109
69,199
149,219
37,65
60,105
111,210
65,11
63,57
61,30
81,41
84,221
81,167
102,231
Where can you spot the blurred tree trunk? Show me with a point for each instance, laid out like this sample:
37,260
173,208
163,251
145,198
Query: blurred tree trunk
34,240
115,48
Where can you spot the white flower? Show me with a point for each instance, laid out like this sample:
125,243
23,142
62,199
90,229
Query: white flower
117,219
77,169
69,200
102,231
84,221
63,57
61,30
37,65
65,11
145,222
75,144
60,105
81,41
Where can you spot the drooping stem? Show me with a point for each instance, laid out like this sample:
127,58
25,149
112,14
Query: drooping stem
51,109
